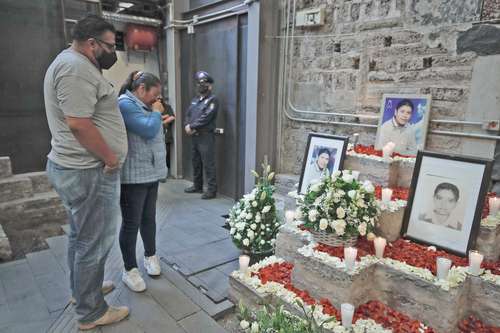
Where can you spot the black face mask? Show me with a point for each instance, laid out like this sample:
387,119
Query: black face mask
106,59
203,89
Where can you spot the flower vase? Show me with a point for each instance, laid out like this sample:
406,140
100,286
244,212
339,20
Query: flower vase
256,257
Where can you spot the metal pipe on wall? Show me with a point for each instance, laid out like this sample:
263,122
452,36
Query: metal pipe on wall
287,99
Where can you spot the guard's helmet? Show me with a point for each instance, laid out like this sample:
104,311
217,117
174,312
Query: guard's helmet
203,77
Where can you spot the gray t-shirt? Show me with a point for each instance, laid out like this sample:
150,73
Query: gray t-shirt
75,87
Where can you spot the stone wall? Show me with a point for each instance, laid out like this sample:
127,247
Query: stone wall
370,47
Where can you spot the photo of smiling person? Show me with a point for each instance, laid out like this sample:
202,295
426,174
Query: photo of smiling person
403,121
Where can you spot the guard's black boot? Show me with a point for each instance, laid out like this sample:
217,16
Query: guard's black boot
208,195
193,189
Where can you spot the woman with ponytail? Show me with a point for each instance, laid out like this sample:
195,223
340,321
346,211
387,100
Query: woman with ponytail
144,167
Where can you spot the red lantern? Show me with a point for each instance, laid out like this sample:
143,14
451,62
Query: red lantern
141,37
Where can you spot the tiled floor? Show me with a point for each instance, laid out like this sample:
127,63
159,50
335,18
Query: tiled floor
197,257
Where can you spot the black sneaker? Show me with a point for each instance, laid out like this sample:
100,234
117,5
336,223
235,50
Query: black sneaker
193,189
208,195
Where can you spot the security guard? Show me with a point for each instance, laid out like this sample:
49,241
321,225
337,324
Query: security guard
200,125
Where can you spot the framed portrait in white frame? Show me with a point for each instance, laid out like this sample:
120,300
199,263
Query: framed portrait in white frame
404,120
324,155
446,199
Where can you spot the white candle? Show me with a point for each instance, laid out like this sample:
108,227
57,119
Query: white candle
289,216
355,174
380,244
347,313
350,254
387,150
475,260
386,195
494,205
244,262
443,267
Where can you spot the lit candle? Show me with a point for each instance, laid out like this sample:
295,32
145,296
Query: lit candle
289,216
350,254
387,150
355,174
380,244
386,195
443,267
475,260
347,313
244,262
494,205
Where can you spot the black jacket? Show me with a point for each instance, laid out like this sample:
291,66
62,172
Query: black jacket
202,113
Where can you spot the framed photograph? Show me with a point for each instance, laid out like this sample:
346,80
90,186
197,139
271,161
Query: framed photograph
324,155
404,120
446,200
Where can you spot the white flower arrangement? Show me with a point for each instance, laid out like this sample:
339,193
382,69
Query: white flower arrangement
292,227
253,220
339,204
280,292
491,222
351,152
335,262
392,206
490,277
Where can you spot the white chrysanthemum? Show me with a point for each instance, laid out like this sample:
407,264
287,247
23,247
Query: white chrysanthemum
362,229
348,178
313,214
266,209
246,242
340,213
339,226
352,194
255,328
368,186
249,216
323,224
258,218
254,204
316,187
250,234
262,242
233,230
253,226
244,324
237,236
240,226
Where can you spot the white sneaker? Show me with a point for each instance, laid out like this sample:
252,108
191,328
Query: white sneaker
134,280
152,265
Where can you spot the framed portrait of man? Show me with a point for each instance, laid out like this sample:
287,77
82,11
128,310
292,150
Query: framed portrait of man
446,199
404,120
324,155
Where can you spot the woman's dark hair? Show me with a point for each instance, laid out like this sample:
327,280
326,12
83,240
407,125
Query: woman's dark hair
91,26
136,78
405,102
449,187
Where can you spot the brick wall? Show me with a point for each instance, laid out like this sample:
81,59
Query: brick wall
368,48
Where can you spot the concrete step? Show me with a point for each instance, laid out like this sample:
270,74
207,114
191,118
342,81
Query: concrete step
15,187
40,181
23,206
5,249
5,167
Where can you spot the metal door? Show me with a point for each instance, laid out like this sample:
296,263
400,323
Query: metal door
217,48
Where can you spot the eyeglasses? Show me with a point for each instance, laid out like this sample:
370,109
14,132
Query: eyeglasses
112,47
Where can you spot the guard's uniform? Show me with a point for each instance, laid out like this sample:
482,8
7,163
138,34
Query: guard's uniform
201,116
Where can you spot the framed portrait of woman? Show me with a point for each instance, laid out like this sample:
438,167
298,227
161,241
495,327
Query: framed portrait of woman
447,195
324,155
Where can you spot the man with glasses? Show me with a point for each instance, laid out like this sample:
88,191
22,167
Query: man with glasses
89,145
200,125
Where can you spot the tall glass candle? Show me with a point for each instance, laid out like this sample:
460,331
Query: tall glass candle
386,195
494,205
443,267
388,150
346,313
244,262
289,216
379,244
350,254
475,260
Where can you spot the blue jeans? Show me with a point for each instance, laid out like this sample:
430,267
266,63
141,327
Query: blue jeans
92,201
